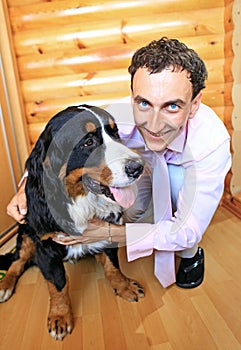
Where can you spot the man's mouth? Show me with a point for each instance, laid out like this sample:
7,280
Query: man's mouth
157,134
124,196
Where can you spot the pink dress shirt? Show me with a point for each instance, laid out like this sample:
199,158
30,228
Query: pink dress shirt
203,150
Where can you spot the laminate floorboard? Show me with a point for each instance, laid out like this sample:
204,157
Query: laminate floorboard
205,318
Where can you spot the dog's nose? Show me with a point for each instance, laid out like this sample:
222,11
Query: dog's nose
133,169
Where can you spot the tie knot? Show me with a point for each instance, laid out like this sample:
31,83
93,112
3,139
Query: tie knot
158,157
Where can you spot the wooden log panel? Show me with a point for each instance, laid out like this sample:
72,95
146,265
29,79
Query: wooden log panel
228,62
233,202
228,16
105,58
44,109
75,61
92,83
69,53
59,13
120,30
83,84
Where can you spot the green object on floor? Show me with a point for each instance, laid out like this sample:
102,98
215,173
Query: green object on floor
2,274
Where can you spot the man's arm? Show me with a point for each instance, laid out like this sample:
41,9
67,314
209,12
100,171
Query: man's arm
97,229
197,203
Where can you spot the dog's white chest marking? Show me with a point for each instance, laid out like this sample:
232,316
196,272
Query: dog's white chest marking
84,208
81,211
79,250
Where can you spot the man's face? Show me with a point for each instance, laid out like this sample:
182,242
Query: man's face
162,104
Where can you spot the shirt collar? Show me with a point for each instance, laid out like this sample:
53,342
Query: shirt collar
177,145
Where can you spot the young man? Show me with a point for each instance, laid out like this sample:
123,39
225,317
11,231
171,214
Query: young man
187,153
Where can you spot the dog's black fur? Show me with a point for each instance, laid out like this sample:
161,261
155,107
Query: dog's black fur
68,169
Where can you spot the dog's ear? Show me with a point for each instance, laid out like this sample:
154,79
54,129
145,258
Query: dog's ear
45,190
38,154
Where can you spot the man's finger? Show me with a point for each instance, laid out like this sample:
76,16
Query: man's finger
22,203
23,211
16,215
65,241
14,211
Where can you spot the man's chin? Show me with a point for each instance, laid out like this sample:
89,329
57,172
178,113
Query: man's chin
156,145
153,143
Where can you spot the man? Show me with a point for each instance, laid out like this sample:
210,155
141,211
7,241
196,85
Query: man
186,148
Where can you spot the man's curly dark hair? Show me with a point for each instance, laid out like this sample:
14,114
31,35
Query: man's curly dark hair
170,54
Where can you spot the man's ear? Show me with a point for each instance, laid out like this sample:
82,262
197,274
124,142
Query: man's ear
195,105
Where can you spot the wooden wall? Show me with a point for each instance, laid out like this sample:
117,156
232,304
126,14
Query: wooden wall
68,53
232,196
72,52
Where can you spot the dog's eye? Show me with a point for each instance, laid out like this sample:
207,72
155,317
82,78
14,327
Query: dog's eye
88,143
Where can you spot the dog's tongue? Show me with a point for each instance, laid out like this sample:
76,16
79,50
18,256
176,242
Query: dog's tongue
125,196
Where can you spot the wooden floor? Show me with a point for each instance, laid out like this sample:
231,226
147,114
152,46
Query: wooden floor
205,318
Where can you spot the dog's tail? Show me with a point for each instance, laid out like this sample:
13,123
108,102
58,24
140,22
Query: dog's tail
14,254
7,259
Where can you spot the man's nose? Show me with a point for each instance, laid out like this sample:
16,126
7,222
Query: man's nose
155,122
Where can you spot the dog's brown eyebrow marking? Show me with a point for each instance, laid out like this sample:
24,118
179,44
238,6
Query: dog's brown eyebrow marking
112,124
90,127
62,172
46,161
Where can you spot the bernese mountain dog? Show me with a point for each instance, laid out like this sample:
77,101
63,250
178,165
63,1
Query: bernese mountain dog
78,170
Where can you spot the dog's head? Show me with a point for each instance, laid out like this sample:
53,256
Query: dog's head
99,163
82,148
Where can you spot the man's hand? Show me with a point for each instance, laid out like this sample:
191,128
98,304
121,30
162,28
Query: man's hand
17,208
97,230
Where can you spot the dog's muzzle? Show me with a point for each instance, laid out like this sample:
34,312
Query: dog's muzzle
122,194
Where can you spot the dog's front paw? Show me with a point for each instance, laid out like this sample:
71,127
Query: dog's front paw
6,289
129,290
60,325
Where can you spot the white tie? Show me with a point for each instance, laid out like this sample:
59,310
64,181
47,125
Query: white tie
164,260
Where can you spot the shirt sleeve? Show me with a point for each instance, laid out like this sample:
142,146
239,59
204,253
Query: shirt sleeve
197,202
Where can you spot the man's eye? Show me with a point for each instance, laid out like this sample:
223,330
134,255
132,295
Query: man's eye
173,107
143,104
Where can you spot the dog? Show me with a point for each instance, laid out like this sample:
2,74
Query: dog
77,171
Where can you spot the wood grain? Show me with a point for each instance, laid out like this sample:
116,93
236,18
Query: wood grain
207,317
70,52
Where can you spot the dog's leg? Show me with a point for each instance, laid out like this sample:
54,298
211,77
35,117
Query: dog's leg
60,318
126,288
49,257
25,253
